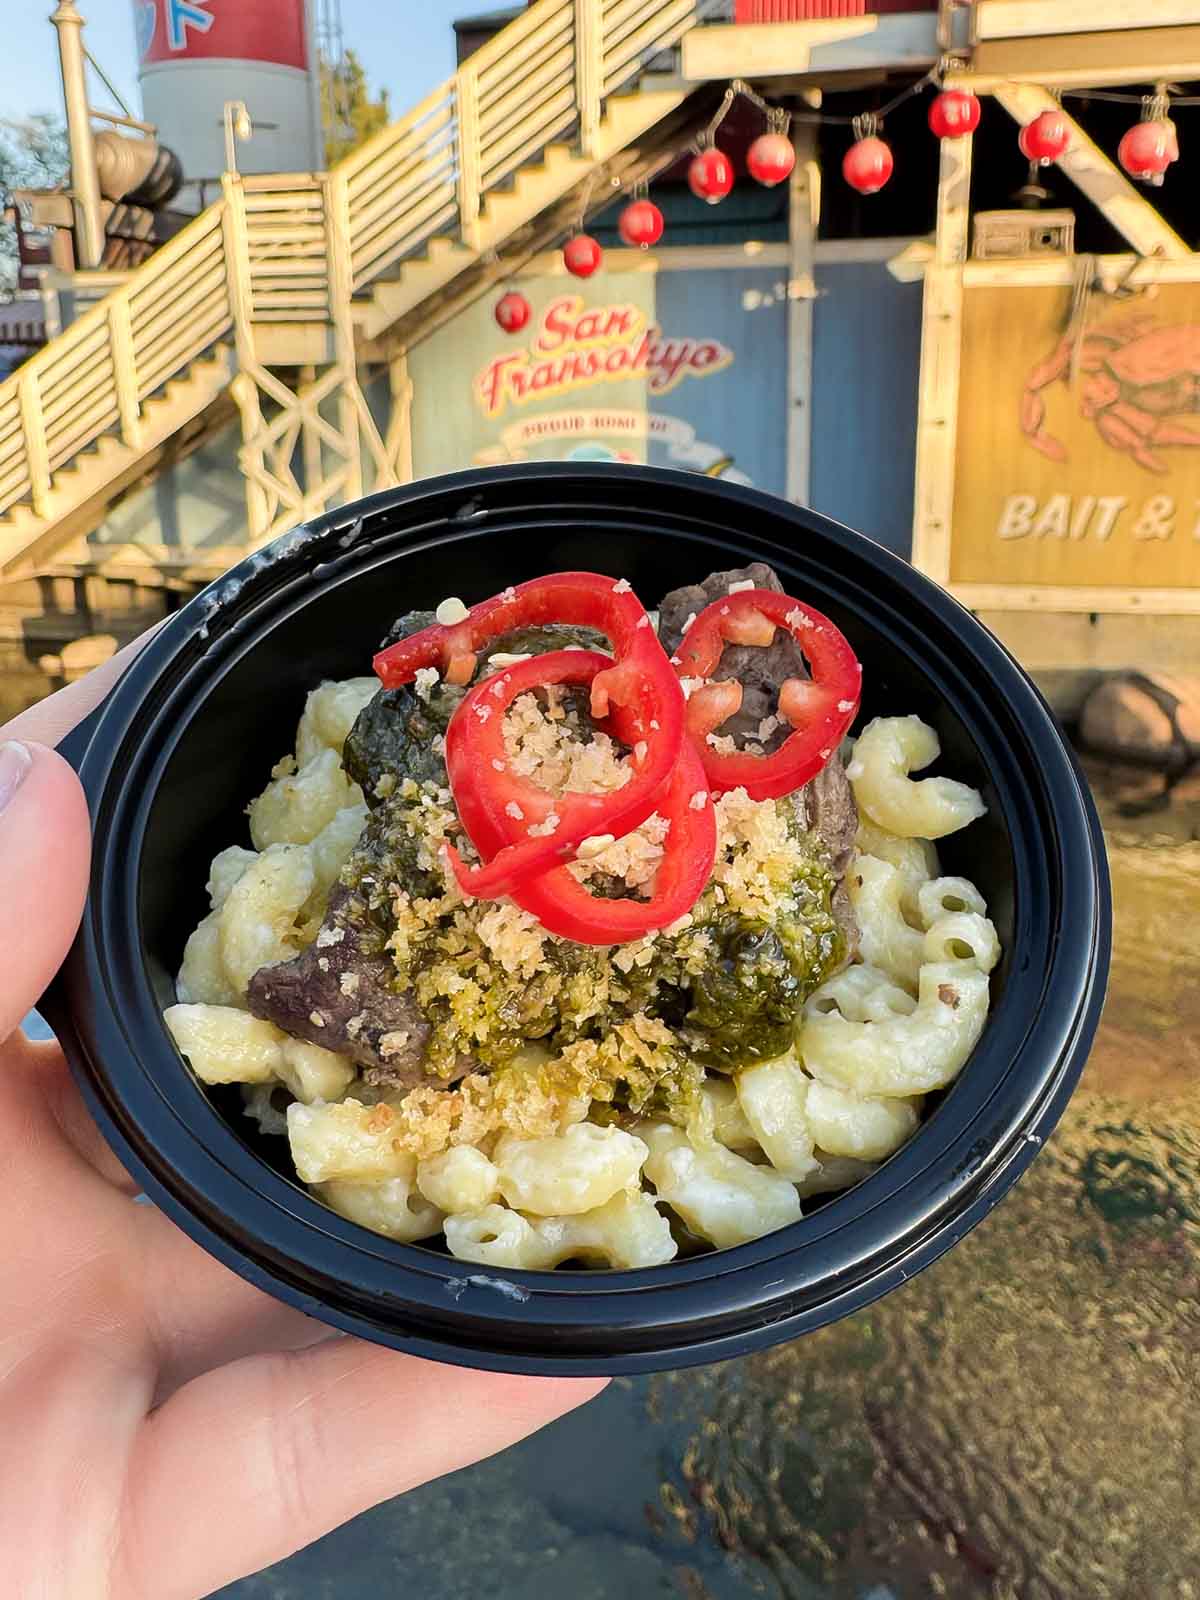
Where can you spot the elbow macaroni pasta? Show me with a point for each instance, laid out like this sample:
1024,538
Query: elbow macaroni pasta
869,1044
865,1127
345,1140
886,751
569,1172
313,1073
720,1118
227,869
907,1053
835,1173
459,1179
202,977
394,1207
916,860
257,920
721,1196
886,938
773,1096
626,1231
329,714
225,1045
295,807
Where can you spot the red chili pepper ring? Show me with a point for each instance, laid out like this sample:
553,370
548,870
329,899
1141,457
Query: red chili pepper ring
550,828
496,823
819,709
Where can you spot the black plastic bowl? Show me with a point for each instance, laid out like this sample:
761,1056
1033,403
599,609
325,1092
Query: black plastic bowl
191,730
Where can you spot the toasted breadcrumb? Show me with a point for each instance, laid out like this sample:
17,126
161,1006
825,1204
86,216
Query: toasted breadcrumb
490,979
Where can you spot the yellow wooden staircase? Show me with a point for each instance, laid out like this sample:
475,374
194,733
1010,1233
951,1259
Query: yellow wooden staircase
274,293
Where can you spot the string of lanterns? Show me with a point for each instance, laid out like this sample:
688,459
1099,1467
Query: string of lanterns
1145,152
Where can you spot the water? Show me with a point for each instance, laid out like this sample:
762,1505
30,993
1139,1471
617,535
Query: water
1014,1424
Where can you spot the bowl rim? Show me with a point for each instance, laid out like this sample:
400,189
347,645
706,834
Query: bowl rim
848,1252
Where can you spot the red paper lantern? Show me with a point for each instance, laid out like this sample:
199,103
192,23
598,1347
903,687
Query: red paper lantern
867,165
710,175
1148,149
954,114
771,158
640,224
582,255
512,311
1045,138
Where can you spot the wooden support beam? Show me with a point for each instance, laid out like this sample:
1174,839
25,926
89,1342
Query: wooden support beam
1104,184
1084,60
124,362
804,211
720,51
466,112
398,441
1017,19
589,70
941,341
1124,271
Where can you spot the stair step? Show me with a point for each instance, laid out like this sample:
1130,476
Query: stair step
444,244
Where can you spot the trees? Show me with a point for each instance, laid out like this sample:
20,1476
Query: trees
33,155
349,113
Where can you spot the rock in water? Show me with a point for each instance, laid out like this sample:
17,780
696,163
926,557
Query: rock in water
1146,717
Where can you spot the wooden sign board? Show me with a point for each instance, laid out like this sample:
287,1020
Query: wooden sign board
1077,451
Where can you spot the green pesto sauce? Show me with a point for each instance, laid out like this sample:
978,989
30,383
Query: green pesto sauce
637,1040
579,1007
743,1006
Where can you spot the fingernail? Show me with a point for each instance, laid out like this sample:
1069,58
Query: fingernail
15,762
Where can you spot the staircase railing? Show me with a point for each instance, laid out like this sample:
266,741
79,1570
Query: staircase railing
545,74
94,378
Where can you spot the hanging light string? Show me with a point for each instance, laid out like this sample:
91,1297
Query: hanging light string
1156,106
864,123
1171,100
779,118
1160,104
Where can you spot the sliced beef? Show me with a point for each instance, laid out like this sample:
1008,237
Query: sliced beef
827,807
759,669
341,993
830,811
826,804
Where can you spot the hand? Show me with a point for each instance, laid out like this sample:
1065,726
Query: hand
166,1427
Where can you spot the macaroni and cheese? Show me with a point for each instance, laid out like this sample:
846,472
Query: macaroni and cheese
531,1101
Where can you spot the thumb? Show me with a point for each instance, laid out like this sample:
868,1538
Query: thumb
44,845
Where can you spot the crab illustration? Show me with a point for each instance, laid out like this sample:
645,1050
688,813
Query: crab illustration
1137,379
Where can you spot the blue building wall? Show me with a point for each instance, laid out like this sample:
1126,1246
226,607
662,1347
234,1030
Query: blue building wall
866,359
743,411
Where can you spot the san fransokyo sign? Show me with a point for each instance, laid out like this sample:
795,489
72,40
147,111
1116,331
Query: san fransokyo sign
1076,462
660,366
575,346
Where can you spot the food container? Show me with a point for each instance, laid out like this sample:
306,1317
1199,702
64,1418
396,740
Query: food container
190,731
